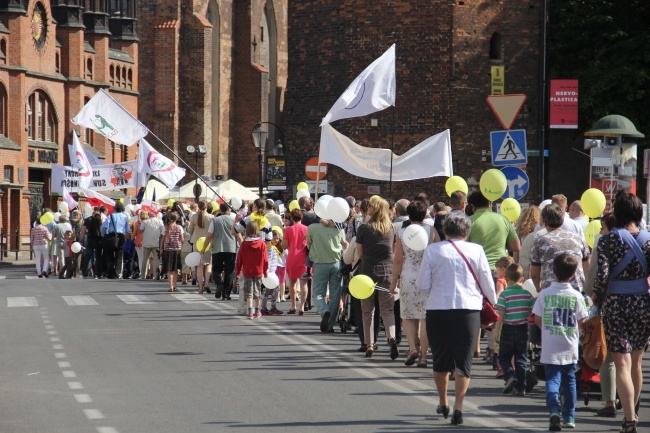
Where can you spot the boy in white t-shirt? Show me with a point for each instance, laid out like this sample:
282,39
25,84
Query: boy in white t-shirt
559,311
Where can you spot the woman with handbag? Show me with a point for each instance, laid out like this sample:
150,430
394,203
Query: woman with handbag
172,243
621,292
457,277
198,228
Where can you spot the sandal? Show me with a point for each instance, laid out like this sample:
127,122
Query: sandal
629,427
291,311
422,362
369,351
411,357
171,289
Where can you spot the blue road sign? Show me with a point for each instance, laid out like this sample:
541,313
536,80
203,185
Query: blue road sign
508,147
518,182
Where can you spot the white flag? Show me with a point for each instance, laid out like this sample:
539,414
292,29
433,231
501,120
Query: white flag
430,158
372,91
92,159
70,201
152,162
107,117
80,163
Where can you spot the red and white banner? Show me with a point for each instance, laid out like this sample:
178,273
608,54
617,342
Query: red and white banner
68,199
150,206
563,104
96,199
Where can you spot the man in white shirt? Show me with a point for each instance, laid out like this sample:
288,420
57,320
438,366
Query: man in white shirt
568,224
577,215
152,230
271,215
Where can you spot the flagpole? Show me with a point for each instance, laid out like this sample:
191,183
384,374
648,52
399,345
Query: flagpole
392,150
168,148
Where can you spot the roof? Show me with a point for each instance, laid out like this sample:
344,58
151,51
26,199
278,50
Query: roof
612,126
119,55
4,29
7,143
95,152
88,48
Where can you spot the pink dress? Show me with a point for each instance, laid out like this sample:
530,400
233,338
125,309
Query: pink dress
296,236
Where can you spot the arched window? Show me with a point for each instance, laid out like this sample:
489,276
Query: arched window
117,76
123,77
112,75
3,50
41,118
57,62
3,110
89,136
129,80
496,47
89,69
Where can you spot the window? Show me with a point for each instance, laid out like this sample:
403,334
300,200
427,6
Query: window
89,69
129,80
9,173
41,119
3,50
496,47
57,62
112,75
3,110
123,77
117,76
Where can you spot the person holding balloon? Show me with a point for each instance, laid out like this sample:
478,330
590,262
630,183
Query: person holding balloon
252,264
409,250
295,242
198,229
456,275
40,238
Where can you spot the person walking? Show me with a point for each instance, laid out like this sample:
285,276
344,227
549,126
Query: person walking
456,275
295,242
252,264
152,230
40,238
223,249
198,228
115,226
172,243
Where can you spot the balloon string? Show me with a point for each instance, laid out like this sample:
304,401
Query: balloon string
382,289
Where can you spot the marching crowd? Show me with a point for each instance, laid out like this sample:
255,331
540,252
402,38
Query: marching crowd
438,297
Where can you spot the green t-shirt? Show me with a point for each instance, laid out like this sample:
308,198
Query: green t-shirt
515,304
492,231
325,243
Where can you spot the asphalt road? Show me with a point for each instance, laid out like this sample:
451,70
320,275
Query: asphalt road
127,356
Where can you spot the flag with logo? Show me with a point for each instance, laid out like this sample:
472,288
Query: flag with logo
373,90
107,117
68,199
96,199
152,162
92,159
80,163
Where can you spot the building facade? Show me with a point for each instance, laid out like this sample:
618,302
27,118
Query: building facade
445,53
210,71
54,56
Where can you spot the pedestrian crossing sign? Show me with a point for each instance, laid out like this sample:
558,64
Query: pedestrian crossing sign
508,147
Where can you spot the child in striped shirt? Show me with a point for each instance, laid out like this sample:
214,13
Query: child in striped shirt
511,331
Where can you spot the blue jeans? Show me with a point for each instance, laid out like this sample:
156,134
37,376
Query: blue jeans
324,274
566,376
514,343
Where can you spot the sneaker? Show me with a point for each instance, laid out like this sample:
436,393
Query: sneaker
258,314
250,315
521,393
510,385
325,321
554,422
569,422
264,312
275,312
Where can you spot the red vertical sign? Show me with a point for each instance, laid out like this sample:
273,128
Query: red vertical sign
563,104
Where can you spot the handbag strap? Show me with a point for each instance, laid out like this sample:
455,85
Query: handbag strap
471,270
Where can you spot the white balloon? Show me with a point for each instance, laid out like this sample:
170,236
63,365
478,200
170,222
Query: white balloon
321,206
543,204
338,209
128,208
415,237
56,216
63,207
75,247
529,286
236,203
193,259
302,193
271,282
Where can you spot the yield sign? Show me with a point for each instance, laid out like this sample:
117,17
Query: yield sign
506,108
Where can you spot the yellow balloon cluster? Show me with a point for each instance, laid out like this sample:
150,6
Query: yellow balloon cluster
511,209
456,183
200,242
493,184
592,229
593,202
361,286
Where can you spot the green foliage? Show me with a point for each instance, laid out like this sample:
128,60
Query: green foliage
606,45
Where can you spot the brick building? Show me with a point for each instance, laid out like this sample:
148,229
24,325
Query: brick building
54,56
445,50
212,70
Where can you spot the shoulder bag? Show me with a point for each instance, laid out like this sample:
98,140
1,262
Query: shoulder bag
592,338
488,314
110,240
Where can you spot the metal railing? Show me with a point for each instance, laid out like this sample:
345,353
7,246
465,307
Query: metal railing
10,243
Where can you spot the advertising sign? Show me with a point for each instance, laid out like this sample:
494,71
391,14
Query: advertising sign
276,173
563,104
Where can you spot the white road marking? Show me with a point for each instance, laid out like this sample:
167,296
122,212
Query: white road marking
52,332
93,414
2,277
60,355
31,277
64,364
55,339
106,430
69,374
135,299
75,385
47,321
57,346
190,298
31,374
26,301
83,398
74,301
49,326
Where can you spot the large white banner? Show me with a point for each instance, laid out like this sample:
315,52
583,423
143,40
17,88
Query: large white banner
373,90
430,158
107,117
105,177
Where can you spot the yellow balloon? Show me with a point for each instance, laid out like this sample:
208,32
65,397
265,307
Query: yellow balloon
122,200
593,202
47,218
592,229
361,286
199,244
456,183
215,206
493,184
511,209
170,202
302,185
293,205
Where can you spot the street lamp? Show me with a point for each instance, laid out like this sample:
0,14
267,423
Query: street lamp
260,135
201,150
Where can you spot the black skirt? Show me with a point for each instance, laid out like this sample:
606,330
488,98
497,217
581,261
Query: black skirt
172,259
452,337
